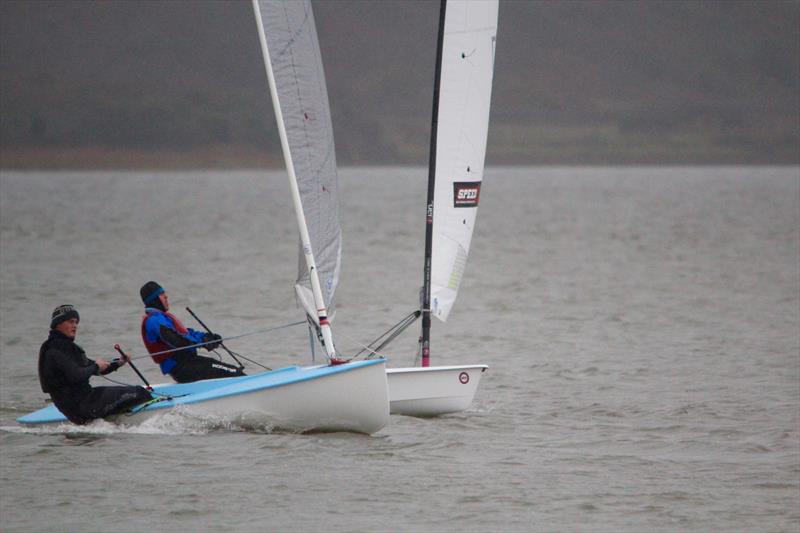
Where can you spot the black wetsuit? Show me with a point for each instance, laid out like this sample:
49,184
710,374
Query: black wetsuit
64,372
191,368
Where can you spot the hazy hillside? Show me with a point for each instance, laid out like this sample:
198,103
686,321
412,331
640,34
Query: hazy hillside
575,82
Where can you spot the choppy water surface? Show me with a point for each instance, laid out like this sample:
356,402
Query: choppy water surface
642,327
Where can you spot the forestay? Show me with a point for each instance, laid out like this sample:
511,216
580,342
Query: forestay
464,98
294,52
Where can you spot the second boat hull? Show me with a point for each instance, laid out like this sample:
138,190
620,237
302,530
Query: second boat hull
434,390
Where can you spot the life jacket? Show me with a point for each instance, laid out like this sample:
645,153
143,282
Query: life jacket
158,345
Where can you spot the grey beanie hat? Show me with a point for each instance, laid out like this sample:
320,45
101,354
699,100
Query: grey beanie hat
62,313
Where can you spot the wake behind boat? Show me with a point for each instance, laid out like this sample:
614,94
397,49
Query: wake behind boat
348,397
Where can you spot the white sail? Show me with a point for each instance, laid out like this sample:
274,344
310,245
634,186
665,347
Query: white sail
463,122
296,61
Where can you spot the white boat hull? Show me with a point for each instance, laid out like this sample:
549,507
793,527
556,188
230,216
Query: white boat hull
350,397
434,390
356,401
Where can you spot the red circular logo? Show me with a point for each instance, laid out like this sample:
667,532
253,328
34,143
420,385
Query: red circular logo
463,378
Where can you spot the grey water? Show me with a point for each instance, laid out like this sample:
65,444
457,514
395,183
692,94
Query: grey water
642,327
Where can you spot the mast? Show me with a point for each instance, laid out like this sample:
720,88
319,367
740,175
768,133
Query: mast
305,239
425,339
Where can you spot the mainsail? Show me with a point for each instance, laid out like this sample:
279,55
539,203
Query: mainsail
467,64
294,52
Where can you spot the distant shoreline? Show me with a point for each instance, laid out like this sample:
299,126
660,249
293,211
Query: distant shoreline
242,157
102,158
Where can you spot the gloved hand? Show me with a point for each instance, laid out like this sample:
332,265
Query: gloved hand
208,337
104,367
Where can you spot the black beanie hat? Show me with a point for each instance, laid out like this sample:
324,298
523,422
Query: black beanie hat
149,293
62,313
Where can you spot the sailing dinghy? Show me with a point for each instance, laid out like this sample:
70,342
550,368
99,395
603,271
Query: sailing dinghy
295,399
461,98
349,396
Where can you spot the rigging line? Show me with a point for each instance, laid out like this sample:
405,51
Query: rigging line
390,334
201,344
365,348
243,357
118,382
221,344
396,333
161,394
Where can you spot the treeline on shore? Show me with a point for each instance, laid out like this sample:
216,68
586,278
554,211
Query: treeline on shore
180,84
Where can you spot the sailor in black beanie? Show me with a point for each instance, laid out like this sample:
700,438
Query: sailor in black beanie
62,313
150,293
64,372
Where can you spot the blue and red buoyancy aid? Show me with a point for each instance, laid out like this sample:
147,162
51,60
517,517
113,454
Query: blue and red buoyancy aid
152,321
